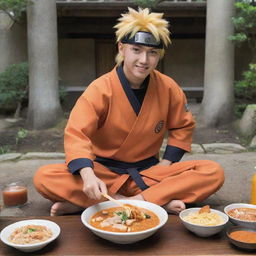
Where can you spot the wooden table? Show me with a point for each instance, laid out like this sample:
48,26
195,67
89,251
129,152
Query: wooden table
172,239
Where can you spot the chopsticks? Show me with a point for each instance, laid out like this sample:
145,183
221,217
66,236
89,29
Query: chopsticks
113,200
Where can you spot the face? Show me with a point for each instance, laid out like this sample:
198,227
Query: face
139,61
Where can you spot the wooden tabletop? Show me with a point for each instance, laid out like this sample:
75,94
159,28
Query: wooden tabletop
172,239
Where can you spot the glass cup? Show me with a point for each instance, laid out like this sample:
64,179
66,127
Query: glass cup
15,194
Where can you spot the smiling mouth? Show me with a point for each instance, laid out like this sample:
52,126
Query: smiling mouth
142,68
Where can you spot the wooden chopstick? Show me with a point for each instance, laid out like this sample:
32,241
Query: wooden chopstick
113,200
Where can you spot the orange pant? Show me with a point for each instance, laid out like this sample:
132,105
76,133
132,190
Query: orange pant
189,181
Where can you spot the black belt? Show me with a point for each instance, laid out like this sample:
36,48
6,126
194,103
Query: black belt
132,169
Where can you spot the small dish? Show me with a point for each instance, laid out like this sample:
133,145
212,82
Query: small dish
240,244
7,231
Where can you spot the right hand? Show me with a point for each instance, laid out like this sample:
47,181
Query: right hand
93,187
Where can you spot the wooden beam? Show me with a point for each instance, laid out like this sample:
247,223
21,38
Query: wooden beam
113,9
79,26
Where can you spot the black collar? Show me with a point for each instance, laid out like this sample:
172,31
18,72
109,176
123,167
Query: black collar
128,90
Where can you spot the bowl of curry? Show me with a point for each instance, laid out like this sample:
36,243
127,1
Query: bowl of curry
242,237
135,221
242,214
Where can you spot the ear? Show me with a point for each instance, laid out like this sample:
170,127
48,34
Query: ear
121,48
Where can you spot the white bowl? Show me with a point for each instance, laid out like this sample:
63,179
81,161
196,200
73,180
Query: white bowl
124,238
7,231
244,223
203,231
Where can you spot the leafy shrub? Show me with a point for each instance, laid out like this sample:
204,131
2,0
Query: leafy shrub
14,85
246,88
14,7
244,23
5,149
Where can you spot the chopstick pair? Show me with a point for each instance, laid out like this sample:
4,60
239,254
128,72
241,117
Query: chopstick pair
113,199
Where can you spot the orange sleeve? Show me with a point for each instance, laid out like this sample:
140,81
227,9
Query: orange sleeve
180,121
84,120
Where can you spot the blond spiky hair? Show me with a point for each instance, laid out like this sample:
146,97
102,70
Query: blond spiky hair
142,20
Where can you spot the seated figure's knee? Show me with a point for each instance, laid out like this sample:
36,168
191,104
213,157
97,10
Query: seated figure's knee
40,176
218,172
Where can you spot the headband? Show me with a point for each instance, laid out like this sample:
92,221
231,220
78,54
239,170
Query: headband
143,38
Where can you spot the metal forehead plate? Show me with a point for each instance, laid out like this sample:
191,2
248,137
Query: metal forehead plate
145,38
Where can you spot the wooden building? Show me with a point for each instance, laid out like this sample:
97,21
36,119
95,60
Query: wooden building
87,48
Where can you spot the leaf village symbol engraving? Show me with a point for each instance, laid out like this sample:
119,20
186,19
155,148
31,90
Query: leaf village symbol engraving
159,126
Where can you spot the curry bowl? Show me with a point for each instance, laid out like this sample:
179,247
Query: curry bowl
239,242
7,231
239,219
203,230
124,237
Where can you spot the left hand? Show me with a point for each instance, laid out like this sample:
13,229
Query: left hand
164,162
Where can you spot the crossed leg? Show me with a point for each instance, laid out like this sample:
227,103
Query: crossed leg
197,180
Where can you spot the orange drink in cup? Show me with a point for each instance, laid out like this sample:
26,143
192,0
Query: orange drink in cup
15,194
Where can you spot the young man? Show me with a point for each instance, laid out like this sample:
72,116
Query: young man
115,131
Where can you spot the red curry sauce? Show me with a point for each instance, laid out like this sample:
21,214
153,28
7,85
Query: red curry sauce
98,218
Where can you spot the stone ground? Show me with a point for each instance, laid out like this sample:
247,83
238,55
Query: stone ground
239,169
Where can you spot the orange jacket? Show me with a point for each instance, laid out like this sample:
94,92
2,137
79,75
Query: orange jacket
103,122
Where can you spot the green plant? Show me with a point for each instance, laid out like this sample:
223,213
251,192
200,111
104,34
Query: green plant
246,88
5,149
245,32
14,8
245,26
14,86
21,134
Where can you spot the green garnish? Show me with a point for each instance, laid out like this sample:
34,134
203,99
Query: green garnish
31,230
123,215
147,216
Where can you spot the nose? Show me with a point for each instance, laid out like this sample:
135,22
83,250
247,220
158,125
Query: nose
143,57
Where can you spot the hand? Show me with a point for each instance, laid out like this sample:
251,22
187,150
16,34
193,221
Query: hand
164,162
93,186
